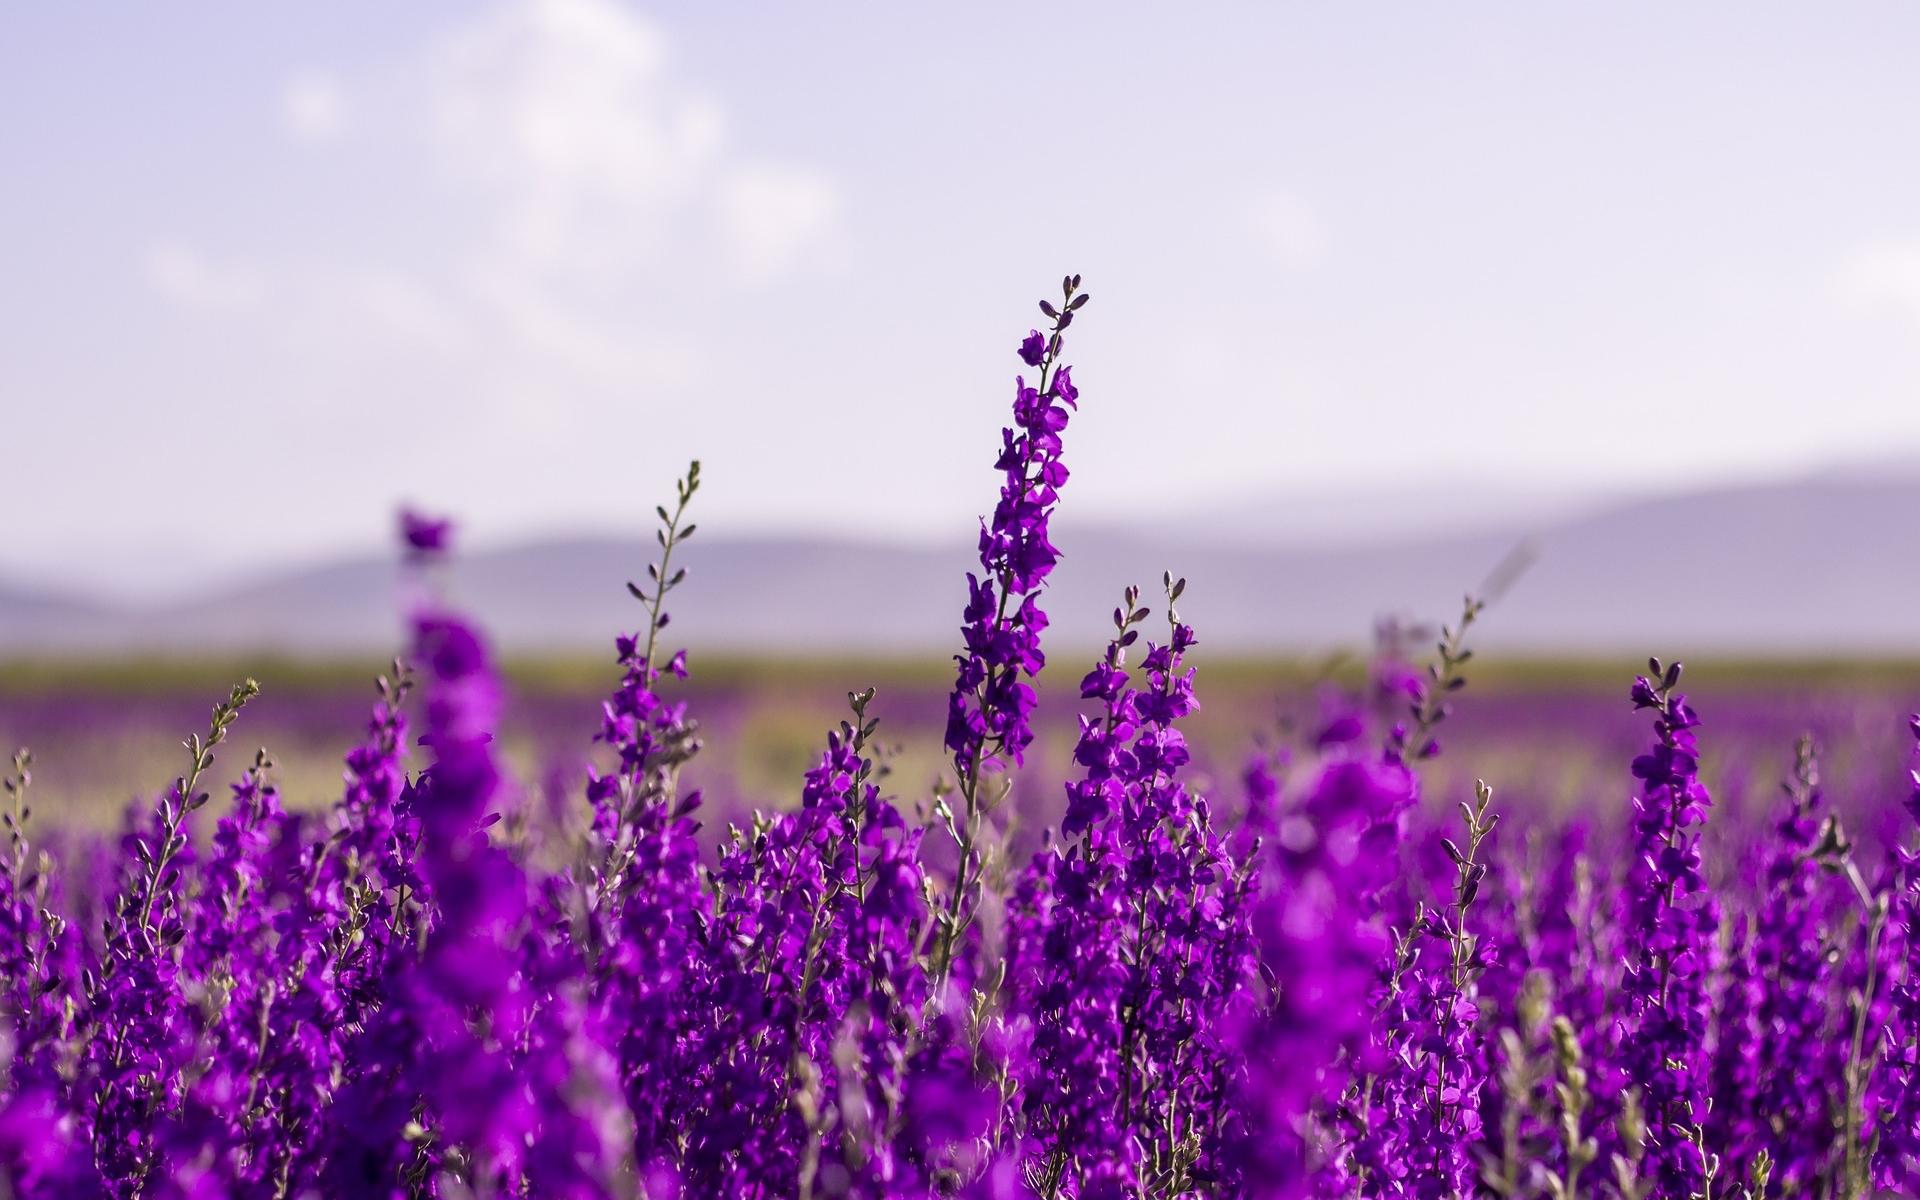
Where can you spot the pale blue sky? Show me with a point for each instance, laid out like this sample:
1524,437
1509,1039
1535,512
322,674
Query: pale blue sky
269,269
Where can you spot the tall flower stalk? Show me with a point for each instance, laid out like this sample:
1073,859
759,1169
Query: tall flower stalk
1320,945
643,902
1673,920
1894,1094
1069,938
38,954
990,709
135,1006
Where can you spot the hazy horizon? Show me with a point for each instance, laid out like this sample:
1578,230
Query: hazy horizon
1276,519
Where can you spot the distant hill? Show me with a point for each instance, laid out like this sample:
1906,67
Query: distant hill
1823,563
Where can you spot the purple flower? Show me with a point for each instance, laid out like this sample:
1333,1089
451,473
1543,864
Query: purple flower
1672,922
425,537
1320,946
1132,947
990,709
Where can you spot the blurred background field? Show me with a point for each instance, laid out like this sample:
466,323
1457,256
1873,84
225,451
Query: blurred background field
1554,736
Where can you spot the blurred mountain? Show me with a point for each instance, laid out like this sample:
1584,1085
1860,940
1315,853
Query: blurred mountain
30,617
1395,511
1823,563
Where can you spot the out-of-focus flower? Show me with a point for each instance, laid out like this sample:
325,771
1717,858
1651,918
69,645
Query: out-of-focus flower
424,537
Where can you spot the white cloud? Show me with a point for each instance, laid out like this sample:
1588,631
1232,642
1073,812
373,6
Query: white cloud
314,107
598,160
1886,275
595,171
188,278
564,110
1286,228
771,214
552,196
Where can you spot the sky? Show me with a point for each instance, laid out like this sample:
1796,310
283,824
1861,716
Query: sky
270,271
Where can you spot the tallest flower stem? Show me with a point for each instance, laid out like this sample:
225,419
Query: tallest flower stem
989,708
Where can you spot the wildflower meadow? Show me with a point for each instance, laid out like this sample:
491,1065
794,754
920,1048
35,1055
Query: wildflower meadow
1311,975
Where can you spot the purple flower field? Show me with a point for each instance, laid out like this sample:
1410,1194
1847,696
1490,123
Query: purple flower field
1378,936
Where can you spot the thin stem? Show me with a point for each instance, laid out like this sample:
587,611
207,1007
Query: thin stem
1859,1062
1444,677
187,797
670,536
16,785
